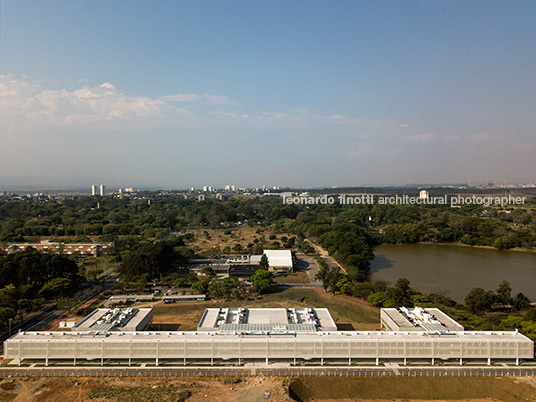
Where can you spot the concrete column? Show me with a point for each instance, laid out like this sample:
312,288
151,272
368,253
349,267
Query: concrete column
321,361
433,361
212,361
102,361
517,361
489,361
461,361
129,361
266,361
349,361
46,362
74,361
185,361
156,363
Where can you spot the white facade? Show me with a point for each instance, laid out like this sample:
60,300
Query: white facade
279,260
102,190
348,347
424,194
276,335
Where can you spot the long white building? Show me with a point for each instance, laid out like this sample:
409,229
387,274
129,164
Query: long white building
270,341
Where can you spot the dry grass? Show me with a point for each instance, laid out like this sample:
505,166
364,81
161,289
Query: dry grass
345,310
412,388
243,235
294,278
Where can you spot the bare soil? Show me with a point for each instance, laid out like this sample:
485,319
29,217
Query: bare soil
130,389
223,389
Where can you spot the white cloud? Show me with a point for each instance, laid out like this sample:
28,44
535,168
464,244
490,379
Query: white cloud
25,104
219,100
190,98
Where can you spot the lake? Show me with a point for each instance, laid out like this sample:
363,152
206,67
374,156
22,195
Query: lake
455,269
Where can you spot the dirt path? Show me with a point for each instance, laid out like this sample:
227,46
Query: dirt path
329,260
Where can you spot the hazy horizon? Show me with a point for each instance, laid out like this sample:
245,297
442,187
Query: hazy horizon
316,94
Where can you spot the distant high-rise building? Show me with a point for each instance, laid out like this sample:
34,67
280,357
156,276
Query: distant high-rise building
102,190
424,194
94,189
227,187
205,189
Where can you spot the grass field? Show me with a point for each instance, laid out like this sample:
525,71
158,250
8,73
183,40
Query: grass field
348,313
412,388
293,277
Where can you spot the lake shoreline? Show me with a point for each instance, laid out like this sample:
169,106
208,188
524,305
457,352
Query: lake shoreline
433,267
428,243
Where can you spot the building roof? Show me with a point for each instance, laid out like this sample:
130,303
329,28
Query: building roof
266,320
419,319
104,320
192,336
279,258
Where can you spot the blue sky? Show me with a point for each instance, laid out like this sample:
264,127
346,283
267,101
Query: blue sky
292,93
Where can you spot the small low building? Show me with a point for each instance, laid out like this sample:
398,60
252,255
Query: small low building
183,298
82,249
128,299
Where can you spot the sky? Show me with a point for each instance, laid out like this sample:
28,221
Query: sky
173,94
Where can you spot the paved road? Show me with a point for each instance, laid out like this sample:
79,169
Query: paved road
342,371
309,265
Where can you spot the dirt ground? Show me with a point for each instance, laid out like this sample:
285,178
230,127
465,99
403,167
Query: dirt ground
252,389
142,389
242,235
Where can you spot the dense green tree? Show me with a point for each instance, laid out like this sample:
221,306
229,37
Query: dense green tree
56,287
262,280
504,293
400,293
478,300
520,302
263,264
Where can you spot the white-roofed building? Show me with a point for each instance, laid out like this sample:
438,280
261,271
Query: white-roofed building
279,260
282,335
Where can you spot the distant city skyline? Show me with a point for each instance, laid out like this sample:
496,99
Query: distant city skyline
318,94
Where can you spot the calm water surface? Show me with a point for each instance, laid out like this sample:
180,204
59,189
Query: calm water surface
455,269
